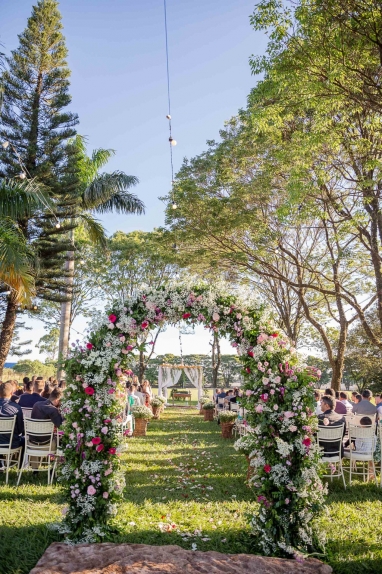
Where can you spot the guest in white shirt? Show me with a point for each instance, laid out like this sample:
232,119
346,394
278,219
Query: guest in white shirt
138,397
344,400
317,396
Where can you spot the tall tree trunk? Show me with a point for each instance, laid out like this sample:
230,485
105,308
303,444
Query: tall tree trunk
216,358
7,329
66,310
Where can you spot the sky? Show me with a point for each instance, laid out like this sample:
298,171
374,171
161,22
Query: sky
119,90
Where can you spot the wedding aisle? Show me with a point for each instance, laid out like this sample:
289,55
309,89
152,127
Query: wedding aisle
185,486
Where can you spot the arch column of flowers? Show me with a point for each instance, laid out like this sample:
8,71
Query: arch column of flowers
278,394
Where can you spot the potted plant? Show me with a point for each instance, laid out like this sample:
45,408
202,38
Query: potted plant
141,415
227,421
202,401
208,411
157,406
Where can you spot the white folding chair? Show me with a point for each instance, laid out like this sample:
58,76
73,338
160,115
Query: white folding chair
331,436
7,427
26,412
364,438
47,449
234,407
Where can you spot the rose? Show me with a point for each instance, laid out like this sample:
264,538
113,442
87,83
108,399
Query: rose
259,409
110,326
264,397
96,440
216,317
248,370
292,428
91,490
287,501
288,414
105,495
267,468
100,447
274,335
104,430
112,318
306,441
112,450
129,347
144,325
110,391
186,315
277,380
89,346
89,391
275,407
251,354
248,393
106,421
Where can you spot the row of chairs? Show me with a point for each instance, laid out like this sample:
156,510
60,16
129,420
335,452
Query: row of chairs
363,437
39,457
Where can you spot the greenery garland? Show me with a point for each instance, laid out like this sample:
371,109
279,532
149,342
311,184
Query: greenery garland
95,400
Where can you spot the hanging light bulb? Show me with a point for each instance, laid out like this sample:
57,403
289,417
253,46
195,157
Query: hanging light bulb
174,206
35,307
5,145
58,225
168,117
82,261
172,141
22,175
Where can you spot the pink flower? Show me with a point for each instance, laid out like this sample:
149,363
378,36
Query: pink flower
104,430
272,391
259,409
112,318
292,428
275,407
107,421
105,495
267,468
248,393
248,370
89,346
287,501
111,326
261,338
112,450
216,317
100,447
89,444
306,441
118,372
186,315
264,397
108,471
251,354
89,391
288,414
91,490
96,440
129,347
144,325
124,351
109,345
110,391
277,380
274,335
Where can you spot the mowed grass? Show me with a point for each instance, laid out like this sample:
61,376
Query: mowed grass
186,485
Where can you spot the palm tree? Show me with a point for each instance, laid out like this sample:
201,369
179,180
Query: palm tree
99,193
18,199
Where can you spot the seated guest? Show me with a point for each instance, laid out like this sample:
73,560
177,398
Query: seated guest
344,400
28,387
339,408
365,407
10,409
15,396
47,390
330,418
353,398
230,398
378,402
317,397
28,399
220,395
46,410
137,397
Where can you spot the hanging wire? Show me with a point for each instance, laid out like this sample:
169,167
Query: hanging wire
171,140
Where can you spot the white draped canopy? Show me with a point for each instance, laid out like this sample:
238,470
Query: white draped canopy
169,375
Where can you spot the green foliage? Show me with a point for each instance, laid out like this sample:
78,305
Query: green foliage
31,367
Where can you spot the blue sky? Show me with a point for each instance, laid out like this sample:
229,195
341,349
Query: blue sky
119,89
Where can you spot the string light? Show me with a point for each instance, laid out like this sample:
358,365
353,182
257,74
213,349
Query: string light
58,225
22,175
174,206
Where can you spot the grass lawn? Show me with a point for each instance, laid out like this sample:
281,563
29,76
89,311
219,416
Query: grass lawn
186,486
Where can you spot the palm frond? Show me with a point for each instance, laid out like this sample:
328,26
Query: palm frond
16,269
94,228
100,157
108,192
20,199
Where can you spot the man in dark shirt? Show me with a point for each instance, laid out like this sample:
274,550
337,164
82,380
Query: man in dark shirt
46,410
339,407
221,395
10,409
28,399
330,418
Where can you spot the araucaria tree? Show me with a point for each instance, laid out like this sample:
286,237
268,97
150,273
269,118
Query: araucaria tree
36,124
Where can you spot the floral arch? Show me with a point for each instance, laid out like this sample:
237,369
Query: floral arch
279,397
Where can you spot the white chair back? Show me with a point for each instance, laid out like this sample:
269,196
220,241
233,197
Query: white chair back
234,407
7,427
331,436
26,412
35,428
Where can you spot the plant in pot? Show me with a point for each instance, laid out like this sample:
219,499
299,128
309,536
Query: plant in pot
141,415
227,421
202,401
208,411
157,406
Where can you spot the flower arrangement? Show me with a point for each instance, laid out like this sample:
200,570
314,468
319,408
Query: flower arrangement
141,412
204,399
278,396
227,416
209,405
157,402
245,444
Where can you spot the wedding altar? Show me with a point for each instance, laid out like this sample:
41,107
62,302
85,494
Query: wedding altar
169,375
